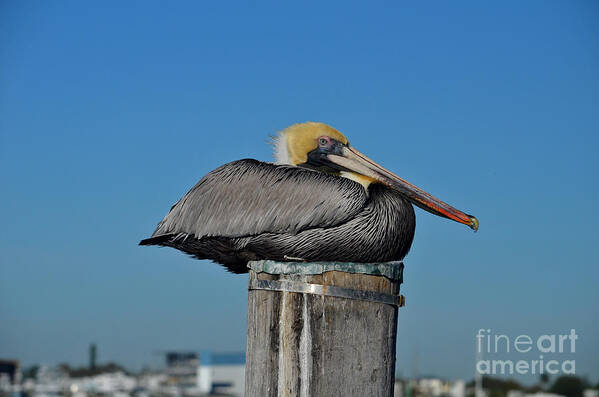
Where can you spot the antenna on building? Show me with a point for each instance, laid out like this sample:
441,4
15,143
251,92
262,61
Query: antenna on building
92,356
478,378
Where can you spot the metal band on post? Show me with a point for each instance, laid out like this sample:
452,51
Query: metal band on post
326,290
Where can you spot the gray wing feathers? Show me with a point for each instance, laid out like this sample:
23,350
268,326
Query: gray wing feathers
248,197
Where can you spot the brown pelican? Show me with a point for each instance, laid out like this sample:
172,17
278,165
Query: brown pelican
321,201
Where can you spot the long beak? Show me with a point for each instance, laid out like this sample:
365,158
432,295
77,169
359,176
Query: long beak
355,161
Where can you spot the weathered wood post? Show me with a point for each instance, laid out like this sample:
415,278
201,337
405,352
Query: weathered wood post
322,329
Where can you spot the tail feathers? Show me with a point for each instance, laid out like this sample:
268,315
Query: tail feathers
157,240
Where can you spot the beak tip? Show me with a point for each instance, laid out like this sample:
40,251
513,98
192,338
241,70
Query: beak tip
473,223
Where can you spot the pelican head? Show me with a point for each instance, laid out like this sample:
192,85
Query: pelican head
321,147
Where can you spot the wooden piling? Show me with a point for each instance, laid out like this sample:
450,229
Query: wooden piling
322,329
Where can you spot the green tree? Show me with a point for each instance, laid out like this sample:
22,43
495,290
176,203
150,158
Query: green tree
30,372
568,385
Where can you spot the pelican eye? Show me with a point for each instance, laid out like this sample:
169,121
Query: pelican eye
323,141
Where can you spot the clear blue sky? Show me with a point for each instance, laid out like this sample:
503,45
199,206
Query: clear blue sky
110,112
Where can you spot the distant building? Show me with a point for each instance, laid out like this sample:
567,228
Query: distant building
182,367
206,372
518,393
433,386
591,393
221,373
9,370
398,389
458,389
429,387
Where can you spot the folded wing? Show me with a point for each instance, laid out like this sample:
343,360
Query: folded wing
248,197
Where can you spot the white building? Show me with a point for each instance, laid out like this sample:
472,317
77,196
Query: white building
591,393
458,389
222,373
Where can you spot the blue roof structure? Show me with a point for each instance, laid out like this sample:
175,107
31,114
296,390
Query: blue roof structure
211,358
